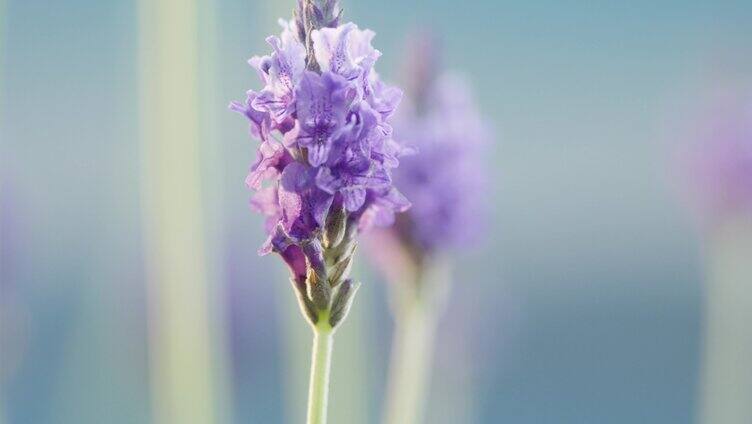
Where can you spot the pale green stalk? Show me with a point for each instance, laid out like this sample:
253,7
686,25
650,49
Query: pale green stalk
352,389
321,364
726,378
410,365
418,306
182,358
213,165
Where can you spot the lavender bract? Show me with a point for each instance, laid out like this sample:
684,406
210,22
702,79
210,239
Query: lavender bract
323,168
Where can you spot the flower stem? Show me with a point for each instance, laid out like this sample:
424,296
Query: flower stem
726,376
418,306
321,361
410,364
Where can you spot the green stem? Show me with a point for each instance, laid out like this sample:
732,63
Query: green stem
419,301
321,361
726,376
411,360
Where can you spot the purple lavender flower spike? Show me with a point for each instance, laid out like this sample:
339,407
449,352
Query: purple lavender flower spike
323,169
718,162
322,173
445,181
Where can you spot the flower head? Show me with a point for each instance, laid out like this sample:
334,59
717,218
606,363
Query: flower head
718,162
326,154
446,181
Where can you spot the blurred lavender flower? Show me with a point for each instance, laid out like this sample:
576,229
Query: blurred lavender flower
446,181
718,162
716,172
323,168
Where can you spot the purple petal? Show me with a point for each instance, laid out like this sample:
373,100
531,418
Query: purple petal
278,106
268,156
396,200
292,254
330,45
259,126
265,201
318,153
322,202
261,64
326,181
291,136
295,260
379,178
353,198
290,198
386,99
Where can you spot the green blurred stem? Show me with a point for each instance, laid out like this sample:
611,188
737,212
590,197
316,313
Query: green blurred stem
726,378
321,364
411,360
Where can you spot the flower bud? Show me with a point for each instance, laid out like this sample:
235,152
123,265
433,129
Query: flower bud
306,306
340,270
314,254
336,224
343,301
318,290
342,251
317,283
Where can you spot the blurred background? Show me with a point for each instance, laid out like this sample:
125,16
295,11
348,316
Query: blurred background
583,305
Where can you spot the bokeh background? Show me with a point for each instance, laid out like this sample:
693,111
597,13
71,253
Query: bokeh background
582,305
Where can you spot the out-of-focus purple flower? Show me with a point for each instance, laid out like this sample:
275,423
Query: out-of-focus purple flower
718,163
323,168
446,181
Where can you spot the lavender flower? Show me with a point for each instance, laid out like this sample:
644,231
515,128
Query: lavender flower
445,181
718,162
323,168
